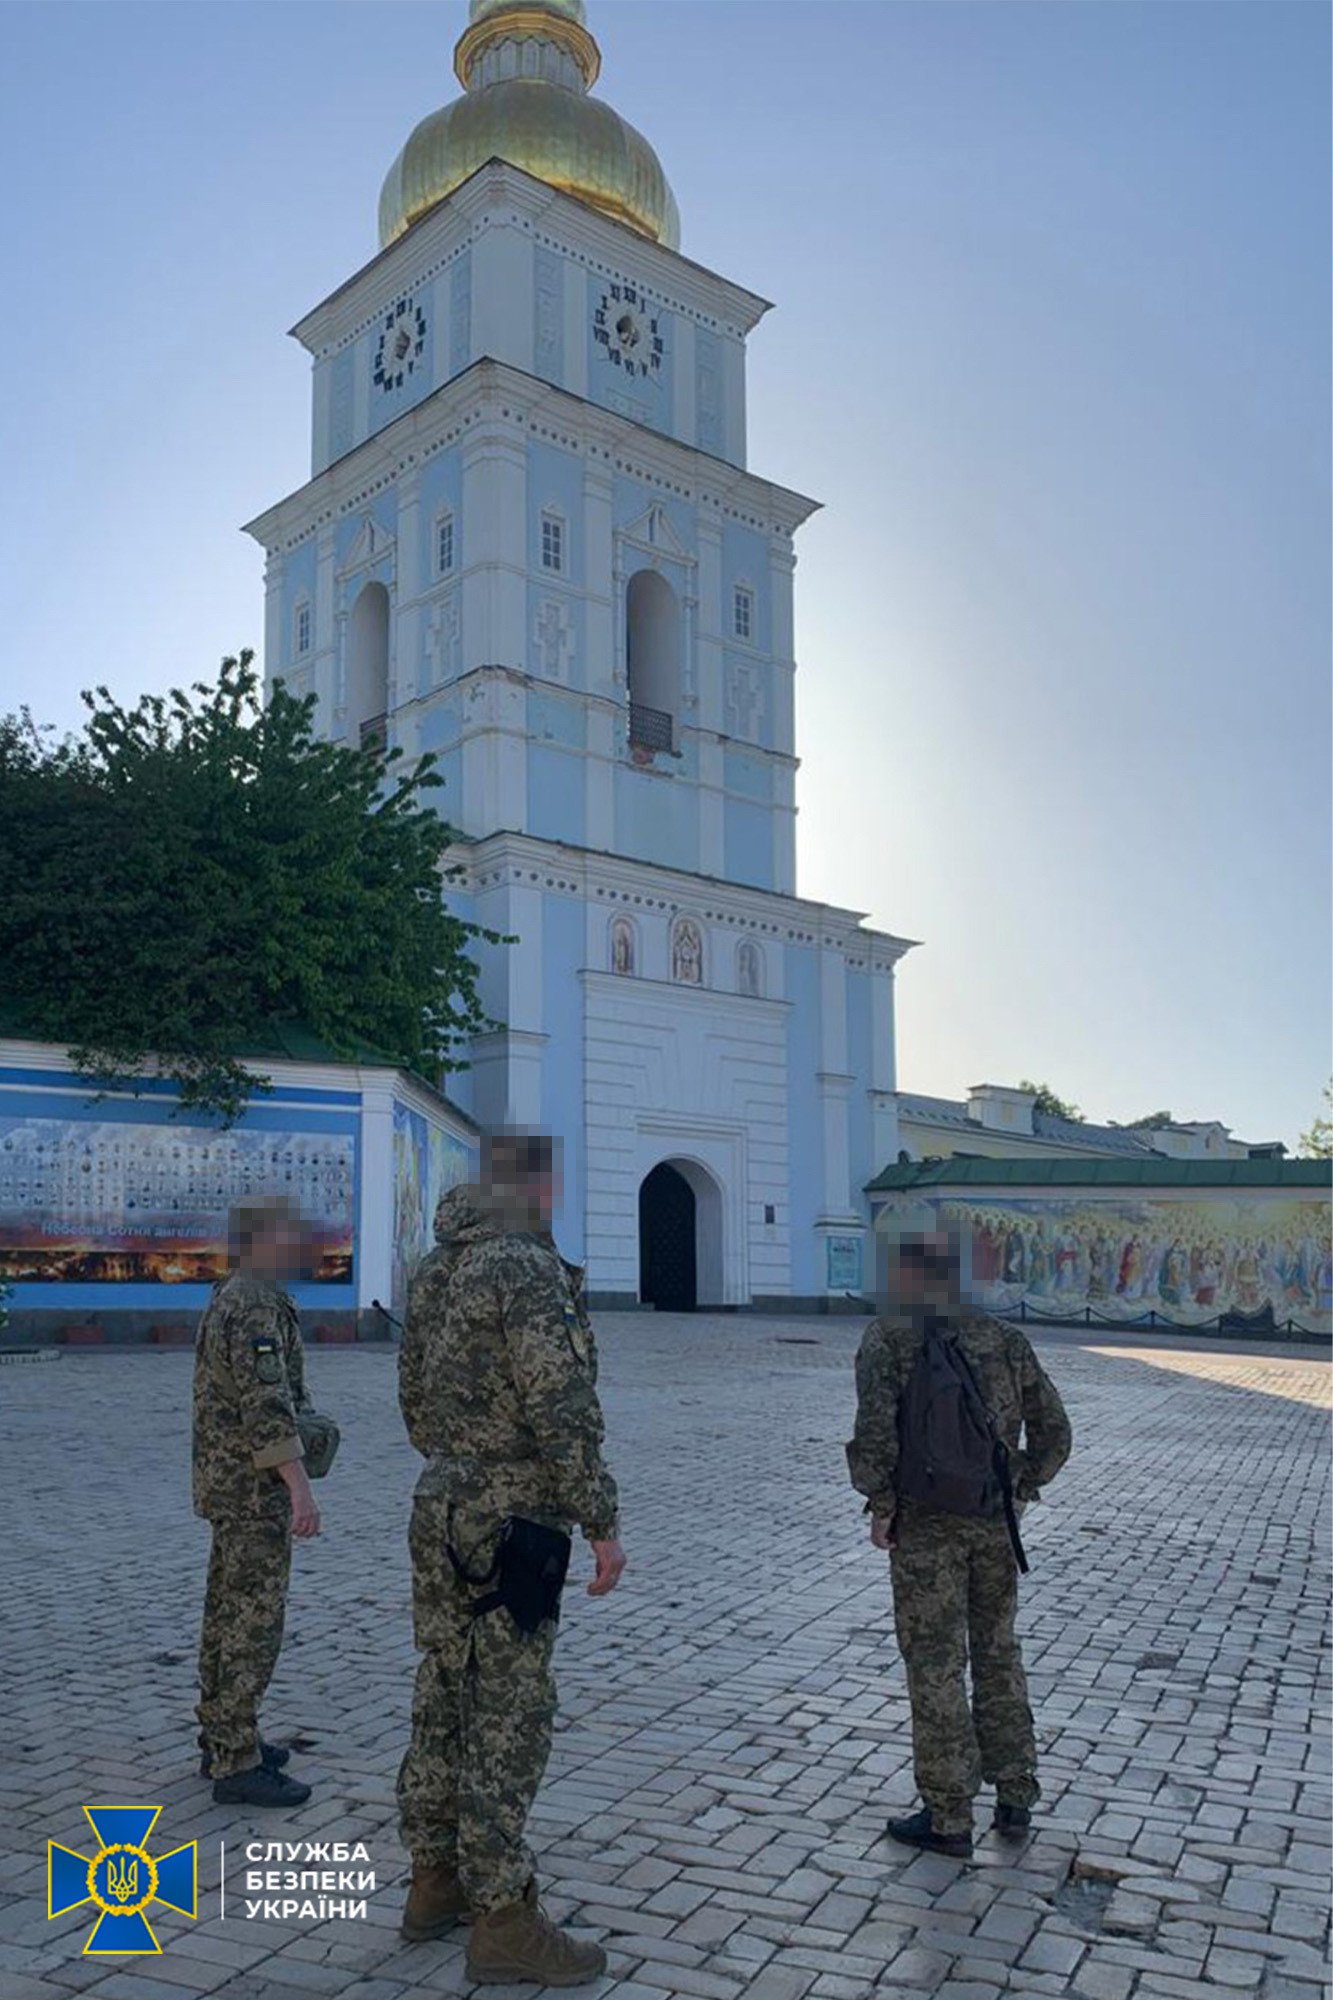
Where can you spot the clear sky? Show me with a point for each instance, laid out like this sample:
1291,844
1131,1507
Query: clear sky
1051,346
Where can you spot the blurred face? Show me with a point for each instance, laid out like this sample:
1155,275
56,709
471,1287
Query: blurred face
928,1272
279,1252
523,1179
544,1194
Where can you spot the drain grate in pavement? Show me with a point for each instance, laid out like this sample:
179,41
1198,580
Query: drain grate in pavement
795,1340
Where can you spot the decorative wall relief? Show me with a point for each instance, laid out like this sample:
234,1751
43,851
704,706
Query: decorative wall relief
687,953
622,947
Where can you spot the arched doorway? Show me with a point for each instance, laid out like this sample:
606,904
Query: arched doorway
680,1237
668,1258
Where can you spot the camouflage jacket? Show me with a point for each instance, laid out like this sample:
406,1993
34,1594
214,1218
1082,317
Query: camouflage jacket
498,1374
249,1382
1021,1397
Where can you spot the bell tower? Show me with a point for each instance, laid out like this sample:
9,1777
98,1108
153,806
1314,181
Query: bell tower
531,544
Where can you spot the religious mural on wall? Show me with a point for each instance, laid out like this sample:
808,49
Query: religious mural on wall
1188,1261
115,1201
427,1162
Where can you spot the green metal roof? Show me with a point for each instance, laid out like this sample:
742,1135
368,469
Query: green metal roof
1119,1173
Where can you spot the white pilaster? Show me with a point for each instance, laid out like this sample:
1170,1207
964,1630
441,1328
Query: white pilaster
326,627
883,1064
374,1243
733,399
275,647
503,283
495,507
576,329
683,412
712,809
408,656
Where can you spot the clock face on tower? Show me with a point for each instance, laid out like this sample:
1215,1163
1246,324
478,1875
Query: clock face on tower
402,343
626,329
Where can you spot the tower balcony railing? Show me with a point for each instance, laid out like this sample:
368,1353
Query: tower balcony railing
649,728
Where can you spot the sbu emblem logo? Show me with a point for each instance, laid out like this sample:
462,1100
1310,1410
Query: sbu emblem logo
121,1880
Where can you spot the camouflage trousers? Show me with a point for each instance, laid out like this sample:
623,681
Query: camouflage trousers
244,1607
955,1595
483,1711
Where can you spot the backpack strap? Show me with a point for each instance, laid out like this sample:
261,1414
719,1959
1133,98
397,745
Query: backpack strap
999,1453
487,1576
493,1598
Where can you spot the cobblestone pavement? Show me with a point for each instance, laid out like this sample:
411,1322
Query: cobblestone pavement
734,1727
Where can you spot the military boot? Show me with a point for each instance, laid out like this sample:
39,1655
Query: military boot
918,1830
435,1902
263,1786
520,1944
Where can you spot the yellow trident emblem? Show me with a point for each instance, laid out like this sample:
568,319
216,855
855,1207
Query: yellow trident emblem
123,1882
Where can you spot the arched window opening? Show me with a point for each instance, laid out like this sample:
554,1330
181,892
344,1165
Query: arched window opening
368,667
652,661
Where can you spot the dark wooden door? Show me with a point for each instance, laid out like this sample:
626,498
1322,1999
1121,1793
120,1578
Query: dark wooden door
668,1276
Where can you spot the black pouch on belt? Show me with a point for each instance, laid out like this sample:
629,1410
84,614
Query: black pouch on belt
528,1573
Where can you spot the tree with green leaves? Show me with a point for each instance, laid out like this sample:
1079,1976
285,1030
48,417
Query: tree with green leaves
1317,1143
1054,1106
1156,1121
195,871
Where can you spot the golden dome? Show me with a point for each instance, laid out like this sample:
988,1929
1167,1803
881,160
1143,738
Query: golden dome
526,67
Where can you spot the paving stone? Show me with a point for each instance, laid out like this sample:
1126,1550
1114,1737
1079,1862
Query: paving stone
1236,1969
733,1728
1049,1953
1095,1981
780,1982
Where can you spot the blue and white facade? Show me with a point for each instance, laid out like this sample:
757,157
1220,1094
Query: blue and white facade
531,544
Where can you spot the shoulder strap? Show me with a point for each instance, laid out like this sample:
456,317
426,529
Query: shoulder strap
999,1456
466,1574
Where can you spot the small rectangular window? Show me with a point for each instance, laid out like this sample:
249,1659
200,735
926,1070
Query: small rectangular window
303,628
742,614
553,543
444,545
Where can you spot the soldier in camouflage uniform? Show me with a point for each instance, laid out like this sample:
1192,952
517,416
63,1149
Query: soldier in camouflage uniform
497,1384
954,1578
250,1484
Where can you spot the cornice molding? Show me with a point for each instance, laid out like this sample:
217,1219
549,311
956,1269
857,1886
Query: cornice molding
508,858
493,402
499,193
